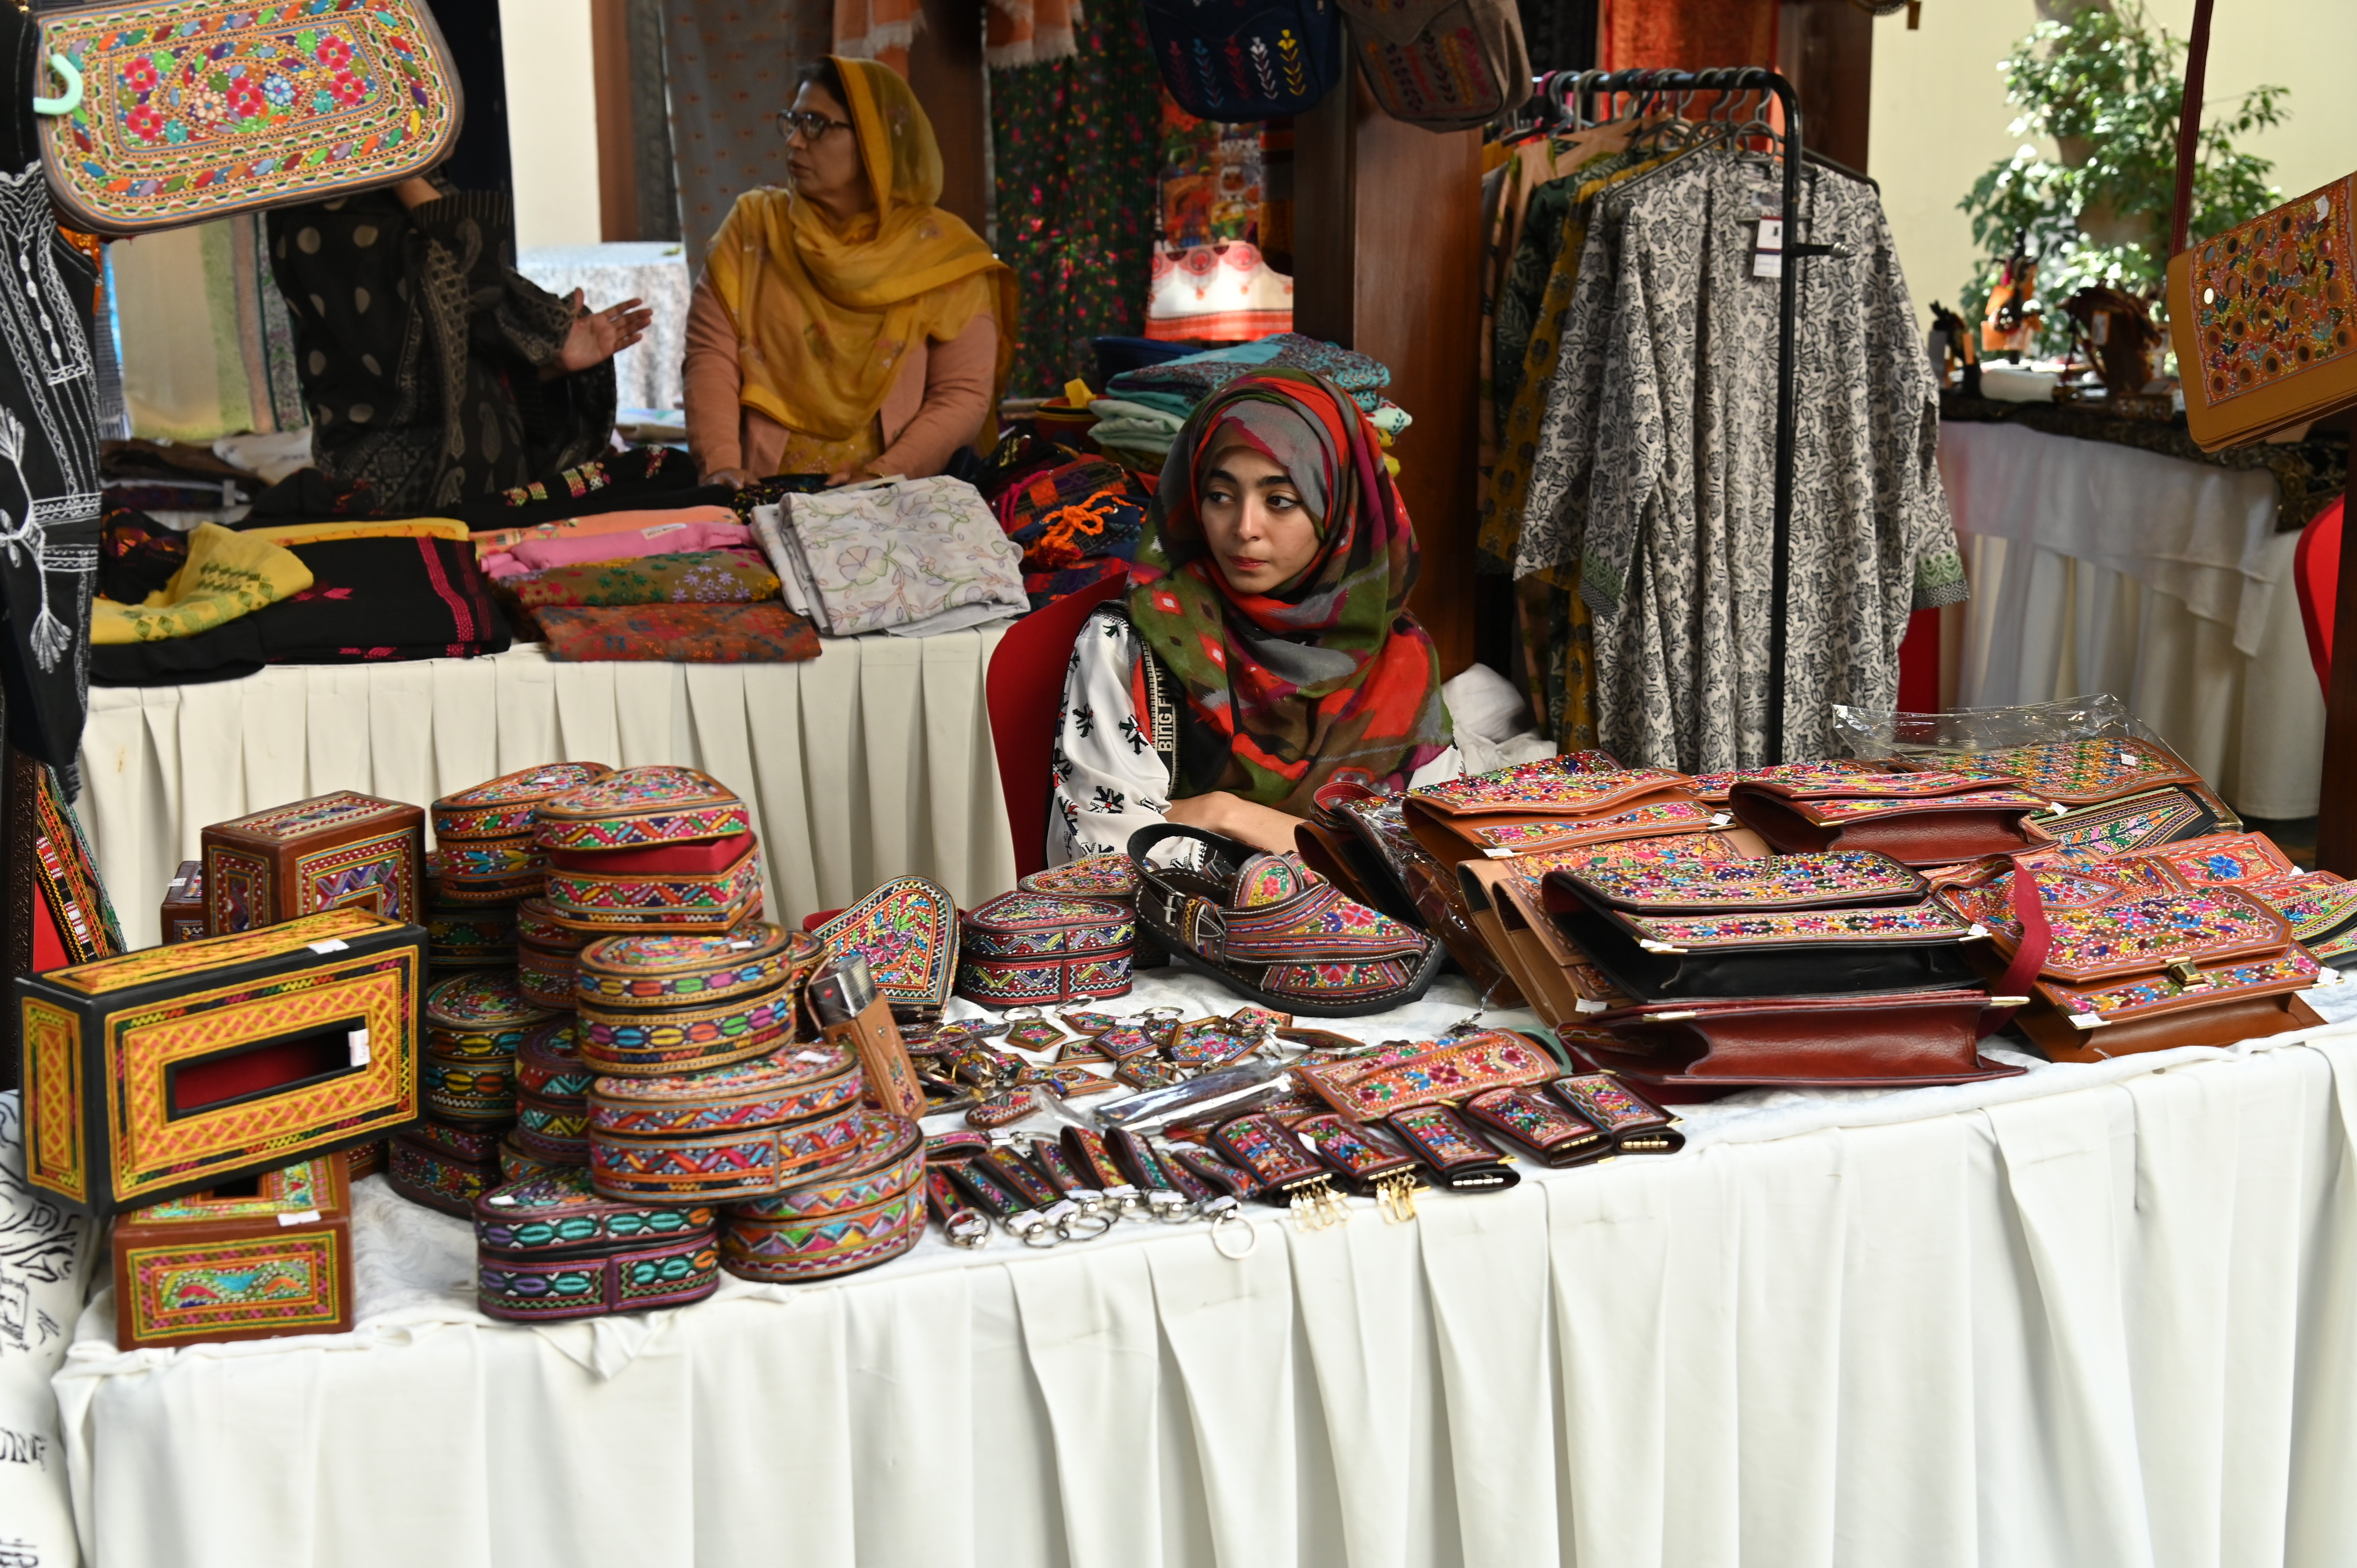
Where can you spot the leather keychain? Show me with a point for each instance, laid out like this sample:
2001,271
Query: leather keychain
1366,1160
1459,1158
1084,1147
1634,1124
959,1222
1288,1175
853,1013
1233,1179
979,1180
1557,1136
1070,1218
1137,1158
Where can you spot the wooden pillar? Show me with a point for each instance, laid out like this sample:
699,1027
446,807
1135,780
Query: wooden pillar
1825,49
1387,261
618,152
2336,821
945,72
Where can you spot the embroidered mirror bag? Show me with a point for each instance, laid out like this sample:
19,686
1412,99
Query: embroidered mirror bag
1446,65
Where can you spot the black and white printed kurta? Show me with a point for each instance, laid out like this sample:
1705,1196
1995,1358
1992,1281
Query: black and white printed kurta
1656,465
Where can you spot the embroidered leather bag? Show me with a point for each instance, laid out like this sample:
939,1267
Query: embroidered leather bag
1558,803
2261,316
1899,1040
182,110
2117,795
1446,65
1920,819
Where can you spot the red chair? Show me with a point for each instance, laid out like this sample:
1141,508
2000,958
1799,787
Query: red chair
2316,572
1023,690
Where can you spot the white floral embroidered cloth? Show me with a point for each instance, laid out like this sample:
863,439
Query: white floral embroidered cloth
913,557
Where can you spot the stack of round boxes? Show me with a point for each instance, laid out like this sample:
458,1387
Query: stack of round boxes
477,1018
705,1090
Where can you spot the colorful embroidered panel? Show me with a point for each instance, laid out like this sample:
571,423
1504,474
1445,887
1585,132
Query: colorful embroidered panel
639,807
2124,827
1718,786
1463,1067
1445,1141
2216,858
1846,811
1991,903
559,1210
824,1245
1349,1148
1336,982
1661,817
783,1086
907,930
1607,1101
1547,785
68,876
2292,970
2317,903
1093,876
193,109
286,1283
2077,772
303,819
2130,934
506,806
1318,924
1262,1145
308,1185
482,1000
1780,881
1525,1114
1924,922
704,901
671,1272
1032,925
2271,296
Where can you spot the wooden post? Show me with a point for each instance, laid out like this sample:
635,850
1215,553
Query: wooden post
618,151
1387,261
2336,820
945,72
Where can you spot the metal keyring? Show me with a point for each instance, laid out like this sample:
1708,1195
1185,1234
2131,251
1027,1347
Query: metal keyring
1029,1226
1169,1207
1226,1219
967,1229
1064,1227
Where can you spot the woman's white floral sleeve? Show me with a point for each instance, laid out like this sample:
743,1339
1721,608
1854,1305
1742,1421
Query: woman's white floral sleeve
1109,781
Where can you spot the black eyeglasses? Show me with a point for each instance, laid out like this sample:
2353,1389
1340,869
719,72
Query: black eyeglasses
812,124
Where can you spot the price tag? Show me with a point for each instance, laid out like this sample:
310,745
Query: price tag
357,1039
307,1216
1768,249
331,945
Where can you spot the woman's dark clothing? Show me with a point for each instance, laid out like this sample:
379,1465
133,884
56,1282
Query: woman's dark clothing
420,349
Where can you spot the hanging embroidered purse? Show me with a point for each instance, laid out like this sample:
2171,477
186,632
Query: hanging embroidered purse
183,110
866,1210
549,1248
1919,818
1561,802
1792,925
1445,65
1042,947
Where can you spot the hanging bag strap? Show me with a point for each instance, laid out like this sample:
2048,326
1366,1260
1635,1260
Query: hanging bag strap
2189,124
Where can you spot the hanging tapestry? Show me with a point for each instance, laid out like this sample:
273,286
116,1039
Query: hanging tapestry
1076,159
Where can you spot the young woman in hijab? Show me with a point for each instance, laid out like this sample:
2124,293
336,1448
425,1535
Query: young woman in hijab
847,326
1267,613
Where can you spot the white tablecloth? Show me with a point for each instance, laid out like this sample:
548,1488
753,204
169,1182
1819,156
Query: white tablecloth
2093,1316
2097,568
646,376
871,761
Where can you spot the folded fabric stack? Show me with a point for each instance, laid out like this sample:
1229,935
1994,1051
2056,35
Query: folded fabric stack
479,1015
912,557
1142,410
1077,523
681,1085
1851,922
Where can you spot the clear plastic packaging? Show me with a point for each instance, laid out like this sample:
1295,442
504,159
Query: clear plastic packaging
1884,732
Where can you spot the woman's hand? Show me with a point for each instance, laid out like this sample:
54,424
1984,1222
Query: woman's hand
735,479
598,335
851,477
1232,816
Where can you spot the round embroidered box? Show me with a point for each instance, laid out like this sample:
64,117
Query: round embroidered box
658,1005
544,954
484,835
481,1012
552,1096
1043,947
854,1216
640,806
603,903
548,1248
517,1162
470,1090
737,1131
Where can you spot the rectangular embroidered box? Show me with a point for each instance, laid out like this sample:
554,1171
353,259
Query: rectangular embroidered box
169,1070
445,1168
548,1249
228,1264
345,850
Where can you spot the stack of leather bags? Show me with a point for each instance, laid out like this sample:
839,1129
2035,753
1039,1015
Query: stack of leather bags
1830,923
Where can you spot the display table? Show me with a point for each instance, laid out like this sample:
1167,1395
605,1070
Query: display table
870,761
2093,1314
646,375
2097,568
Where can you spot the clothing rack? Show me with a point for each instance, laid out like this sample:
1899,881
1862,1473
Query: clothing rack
1555,89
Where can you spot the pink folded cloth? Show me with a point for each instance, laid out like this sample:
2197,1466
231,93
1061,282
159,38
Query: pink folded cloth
495,539
663,539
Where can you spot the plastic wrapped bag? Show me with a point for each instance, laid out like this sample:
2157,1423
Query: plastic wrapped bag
1884,732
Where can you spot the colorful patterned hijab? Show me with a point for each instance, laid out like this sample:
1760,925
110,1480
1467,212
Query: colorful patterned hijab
1328,677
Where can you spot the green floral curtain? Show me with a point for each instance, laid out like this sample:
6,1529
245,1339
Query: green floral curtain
1076,143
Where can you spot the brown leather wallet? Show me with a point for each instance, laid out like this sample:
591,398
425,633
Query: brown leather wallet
1556,1136
1845,1041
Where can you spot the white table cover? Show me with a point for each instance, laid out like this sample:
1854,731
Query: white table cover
870,761
2090,1316
646,375
2097,568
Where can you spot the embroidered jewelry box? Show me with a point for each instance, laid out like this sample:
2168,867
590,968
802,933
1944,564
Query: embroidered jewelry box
225,1264
1043,947
1918,819
1838,922
172,1069
907,931
733,1132
184,903
445,1168
331,852
547,954
655,898
642,808
866,1210
549,1248
469,1090
553,1095
672,1003
484,835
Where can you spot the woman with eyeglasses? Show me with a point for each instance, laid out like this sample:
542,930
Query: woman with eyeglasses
846,326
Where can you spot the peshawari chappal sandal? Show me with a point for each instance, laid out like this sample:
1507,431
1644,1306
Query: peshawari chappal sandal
1275,931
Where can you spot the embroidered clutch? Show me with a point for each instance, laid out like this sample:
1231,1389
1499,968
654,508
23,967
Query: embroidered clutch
191,110
1368,1091
1849,1042
1698,930
1921,819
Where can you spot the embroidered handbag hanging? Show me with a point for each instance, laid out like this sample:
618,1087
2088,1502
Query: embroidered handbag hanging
2261,316
1246,59
1446,65
180,111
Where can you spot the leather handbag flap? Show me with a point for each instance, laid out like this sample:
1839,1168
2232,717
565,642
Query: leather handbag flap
2149,934
1557,786
1834,878
1717,786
